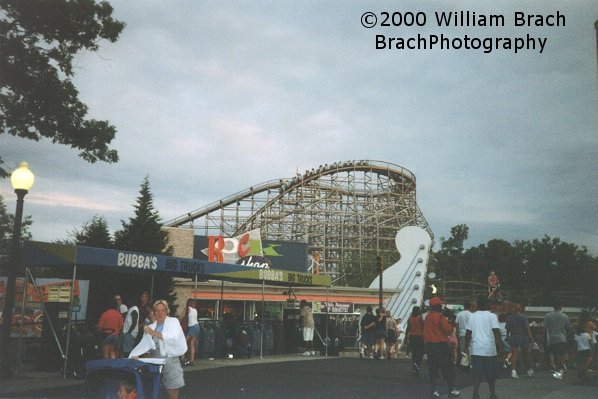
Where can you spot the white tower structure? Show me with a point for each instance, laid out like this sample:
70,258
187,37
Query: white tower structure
409,273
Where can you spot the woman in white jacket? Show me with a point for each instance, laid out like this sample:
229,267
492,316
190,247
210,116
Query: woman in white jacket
164,338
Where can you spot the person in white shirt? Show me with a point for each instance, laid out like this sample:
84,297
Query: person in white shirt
165,339
191,324
584,351
461,322
483,333
130,331
120,306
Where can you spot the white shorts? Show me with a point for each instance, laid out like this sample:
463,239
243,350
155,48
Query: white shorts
308,334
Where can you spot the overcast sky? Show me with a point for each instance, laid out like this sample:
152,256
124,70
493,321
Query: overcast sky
210,98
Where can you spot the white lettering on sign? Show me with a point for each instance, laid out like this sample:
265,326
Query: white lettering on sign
272,275
137,261
255,261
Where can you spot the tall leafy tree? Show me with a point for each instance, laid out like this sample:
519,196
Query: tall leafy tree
38,42
143,233
450,256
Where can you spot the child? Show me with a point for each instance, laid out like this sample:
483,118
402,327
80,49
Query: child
127,390
584,350
502,322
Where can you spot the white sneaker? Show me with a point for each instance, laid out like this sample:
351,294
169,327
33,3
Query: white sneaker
313,353
453,393
435,394
530,372
557,375
514,374
307,353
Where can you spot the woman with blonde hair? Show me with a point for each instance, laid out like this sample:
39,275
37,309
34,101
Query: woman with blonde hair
165,339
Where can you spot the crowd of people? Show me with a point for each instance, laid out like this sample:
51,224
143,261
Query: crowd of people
477,338
482,341
381,334
147,330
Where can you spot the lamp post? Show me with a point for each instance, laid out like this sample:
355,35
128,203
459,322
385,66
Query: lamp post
22,180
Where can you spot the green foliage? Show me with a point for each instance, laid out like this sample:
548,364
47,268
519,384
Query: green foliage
7,222
542,270
360,271
94,234
38,42
143,233
102,285
450,257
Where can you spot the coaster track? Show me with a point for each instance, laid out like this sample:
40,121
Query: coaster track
345,211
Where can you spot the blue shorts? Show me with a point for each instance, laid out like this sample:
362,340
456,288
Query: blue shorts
484,366
193,330
110,340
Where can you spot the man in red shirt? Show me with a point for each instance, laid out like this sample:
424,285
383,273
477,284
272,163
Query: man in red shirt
437,328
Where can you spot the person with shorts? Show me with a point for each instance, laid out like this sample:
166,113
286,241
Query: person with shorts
111,323
483,333
308,326
190,323
165,339
368,329
557,326
520,340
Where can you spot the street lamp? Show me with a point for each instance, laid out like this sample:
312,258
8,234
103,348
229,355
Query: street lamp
22,180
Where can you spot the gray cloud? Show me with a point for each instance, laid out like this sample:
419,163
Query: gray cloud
211,98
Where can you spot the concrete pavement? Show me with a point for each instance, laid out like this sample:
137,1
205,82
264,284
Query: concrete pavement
541,386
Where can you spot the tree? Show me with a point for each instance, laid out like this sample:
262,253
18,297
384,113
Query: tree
360,270
94,234
540,271
102,286
7,222
38,42
143,233
450,256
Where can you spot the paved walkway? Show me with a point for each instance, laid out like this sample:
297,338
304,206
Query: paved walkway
541,386
26,380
